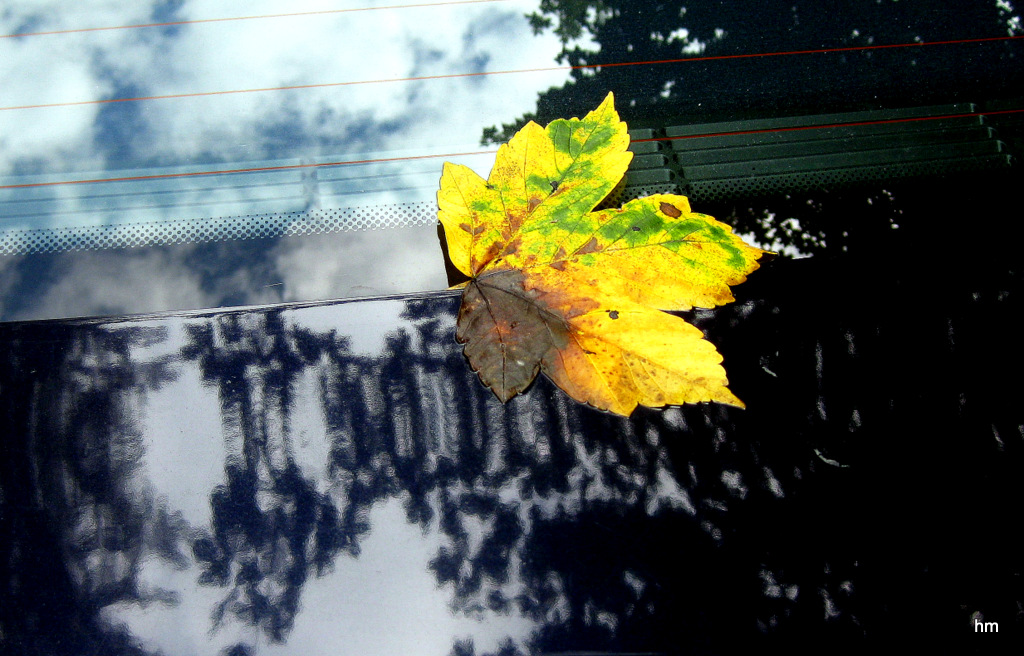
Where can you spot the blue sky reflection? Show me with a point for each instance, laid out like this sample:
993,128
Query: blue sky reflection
240,109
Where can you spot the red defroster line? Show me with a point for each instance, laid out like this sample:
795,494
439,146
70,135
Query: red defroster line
915,44
285,88
242,18
832,125
256,169
261,169
515,71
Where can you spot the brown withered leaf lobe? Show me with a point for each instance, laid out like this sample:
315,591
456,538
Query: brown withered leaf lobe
507,333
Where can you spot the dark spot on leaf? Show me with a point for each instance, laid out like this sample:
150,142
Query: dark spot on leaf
558,261
554,186
670,210
591,246
635,228
613,314
513,246
590,352
491,252
490,186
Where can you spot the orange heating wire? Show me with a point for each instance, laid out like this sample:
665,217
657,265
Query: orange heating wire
255,169
461,75
322,85
384,160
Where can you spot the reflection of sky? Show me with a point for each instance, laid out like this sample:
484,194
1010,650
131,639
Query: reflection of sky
356,102
381,116
385,601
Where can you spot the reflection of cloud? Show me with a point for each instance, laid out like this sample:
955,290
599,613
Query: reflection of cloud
368,323
53,69
358,46
311,267
51,135
375,118
110,283
363,263
368,46
386,601
179,441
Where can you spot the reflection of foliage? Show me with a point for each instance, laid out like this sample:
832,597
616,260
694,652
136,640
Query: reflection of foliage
845,220
269,523
548,518
71,449
702,528
702,89
686,530
571,18
655,31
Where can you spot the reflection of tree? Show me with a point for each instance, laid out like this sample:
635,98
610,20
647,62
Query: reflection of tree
702,89
700,528
270,524
654,31
399,423
680,530
75,525
577,520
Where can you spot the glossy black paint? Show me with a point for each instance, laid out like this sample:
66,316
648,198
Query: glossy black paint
868,491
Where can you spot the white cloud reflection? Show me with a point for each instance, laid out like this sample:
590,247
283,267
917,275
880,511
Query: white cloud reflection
95,284
369,48
57,125
402,259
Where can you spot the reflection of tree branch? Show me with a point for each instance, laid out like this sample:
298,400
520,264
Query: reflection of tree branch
707,62
269,521
642,534
72,449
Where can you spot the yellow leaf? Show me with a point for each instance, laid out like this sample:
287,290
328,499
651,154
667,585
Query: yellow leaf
577,294
653,251
474,230
622,354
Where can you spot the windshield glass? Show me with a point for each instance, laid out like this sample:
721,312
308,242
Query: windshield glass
172,155
203,154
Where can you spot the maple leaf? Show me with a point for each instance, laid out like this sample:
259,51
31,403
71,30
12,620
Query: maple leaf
582,295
